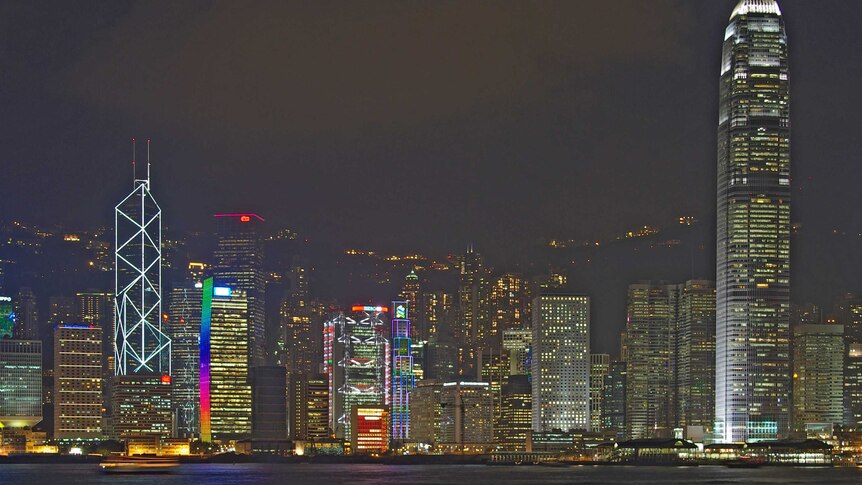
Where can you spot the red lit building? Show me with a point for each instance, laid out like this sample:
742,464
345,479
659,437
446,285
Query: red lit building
370,426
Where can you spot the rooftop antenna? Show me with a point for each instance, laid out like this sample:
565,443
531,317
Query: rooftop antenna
148,160
134,171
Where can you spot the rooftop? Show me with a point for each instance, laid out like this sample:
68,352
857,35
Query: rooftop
745,7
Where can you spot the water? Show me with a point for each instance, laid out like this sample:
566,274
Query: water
264,473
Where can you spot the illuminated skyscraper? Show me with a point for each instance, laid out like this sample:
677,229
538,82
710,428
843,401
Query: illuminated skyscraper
509,303
140,346
614,401
451,415
298,347
77,382
239,265
7,317
308,407
225,393
650,324
851,316
472,328
752,383
600,365
818,374
184,328
403,379
20,383
410,292
437,307
561,362
357,361
517,344
27,315
516,416
695,355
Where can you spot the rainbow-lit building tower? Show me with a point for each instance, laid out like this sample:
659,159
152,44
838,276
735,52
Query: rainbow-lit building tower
403,379
225,393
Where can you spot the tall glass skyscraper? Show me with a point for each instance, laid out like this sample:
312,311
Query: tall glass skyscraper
140,345
752,384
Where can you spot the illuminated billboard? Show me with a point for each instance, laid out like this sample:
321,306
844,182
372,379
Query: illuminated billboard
7,317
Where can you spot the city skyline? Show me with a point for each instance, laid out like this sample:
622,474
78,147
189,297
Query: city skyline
568,310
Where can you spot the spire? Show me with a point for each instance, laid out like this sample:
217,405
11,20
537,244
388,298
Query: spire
134,171
148,160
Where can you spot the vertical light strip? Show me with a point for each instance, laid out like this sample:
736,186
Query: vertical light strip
206,320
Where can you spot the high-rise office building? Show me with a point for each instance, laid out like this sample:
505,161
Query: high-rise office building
269,402
438,309
850,311
818,374
516,415
509,303
650,326
695,355
493,368
140,345
473,322
97,308
225,394
410,292
561,362
614,400
78,374
600,365
20,383
308,407
403,379
357,360
299,347
752,383
27,315
142,406
62,310
184,328
452,413
239,265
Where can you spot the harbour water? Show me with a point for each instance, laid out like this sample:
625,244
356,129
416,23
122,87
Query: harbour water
356,474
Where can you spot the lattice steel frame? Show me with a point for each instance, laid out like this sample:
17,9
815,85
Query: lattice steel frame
140,346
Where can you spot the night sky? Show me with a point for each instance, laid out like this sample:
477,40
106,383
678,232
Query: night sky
409,125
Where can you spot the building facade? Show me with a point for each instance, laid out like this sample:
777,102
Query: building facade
184,328
561,362
269,403
238,264
753,245
20,383
818,375
140,344
516,415
78,382
225,394
695,355
600,365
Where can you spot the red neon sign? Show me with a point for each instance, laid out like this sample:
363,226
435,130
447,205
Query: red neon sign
166,379
244,218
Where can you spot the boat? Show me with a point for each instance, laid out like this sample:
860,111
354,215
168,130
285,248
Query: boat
139,464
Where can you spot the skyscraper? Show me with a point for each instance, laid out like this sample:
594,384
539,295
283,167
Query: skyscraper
403,378
140,345
695,355
650,325
818,374
20,383
614,400
509,303
239,265
77,382
410,292
753,246
561,362
356,359
600,365
184,327
27,315
269,402
516,416
225,393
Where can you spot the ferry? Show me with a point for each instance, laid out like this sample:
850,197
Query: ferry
138,464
